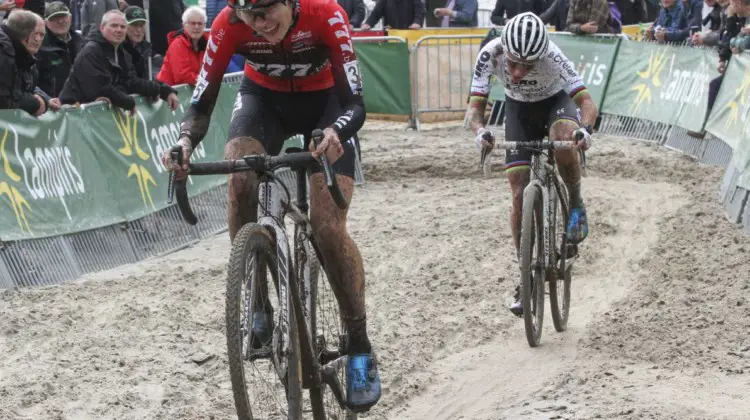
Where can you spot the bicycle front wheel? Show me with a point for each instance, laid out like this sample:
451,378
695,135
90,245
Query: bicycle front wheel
265,373
532,265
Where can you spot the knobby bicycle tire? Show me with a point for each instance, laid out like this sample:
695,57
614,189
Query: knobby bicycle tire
254,238
317,396
532,287
558,309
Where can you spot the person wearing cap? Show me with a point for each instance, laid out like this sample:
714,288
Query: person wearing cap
59,49
103,71
136,43
186,48
20,39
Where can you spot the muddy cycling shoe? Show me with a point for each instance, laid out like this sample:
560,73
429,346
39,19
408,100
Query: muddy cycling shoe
517,307
578,227
362,382
262,328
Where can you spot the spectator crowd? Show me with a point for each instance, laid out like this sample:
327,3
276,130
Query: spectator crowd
73,52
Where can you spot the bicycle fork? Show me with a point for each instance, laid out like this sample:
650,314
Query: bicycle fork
270,213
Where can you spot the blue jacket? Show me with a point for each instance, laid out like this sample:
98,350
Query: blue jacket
467,14
694,15
674,21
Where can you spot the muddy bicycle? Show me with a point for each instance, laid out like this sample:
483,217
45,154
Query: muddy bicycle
545,254
306,347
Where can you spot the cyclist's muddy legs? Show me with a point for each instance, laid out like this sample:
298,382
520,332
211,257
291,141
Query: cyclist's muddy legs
341,257
242,205
518,180
567,160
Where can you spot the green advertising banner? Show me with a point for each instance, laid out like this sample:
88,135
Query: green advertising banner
592,56
385,76
134,145
729,115
81,169
50,179
668,84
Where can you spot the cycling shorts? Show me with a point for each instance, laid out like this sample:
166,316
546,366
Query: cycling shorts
531,121
271,117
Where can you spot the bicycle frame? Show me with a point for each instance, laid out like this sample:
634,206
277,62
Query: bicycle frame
271,212
544,176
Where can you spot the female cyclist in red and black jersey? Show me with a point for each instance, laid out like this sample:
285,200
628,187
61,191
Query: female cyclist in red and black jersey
301,73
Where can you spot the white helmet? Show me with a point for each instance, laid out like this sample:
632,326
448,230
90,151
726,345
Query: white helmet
525,37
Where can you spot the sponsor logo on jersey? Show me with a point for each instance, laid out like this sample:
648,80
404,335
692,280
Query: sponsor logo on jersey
299,36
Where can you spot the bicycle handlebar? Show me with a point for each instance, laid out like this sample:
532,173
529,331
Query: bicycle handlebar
542,144
257,163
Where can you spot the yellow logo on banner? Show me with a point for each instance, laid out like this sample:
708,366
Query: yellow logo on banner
656,61
17,201
739,102
128,128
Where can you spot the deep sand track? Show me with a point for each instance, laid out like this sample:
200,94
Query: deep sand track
658,329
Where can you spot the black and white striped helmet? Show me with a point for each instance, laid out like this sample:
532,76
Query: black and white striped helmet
525,37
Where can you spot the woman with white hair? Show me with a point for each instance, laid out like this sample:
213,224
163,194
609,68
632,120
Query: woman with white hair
186,48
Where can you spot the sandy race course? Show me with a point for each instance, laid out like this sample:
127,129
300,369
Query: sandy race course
658,327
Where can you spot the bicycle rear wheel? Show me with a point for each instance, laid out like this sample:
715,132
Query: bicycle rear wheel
532,265
329,332
274,377
558,275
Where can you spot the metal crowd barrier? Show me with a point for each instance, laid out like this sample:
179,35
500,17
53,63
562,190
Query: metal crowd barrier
441,73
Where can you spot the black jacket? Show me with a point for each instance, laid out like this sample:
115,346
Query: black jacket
514,7
356,11
139,54
397,14
165,16
19,75
103,70
55,59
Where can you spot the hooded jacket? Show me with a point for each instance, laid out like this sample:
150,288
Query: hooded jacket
183,61
104,70
19,75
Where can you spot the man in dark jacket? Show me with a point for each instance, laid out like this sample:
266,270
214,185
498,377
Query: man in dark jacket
397,14
506,9
556,14
356,11
633,11
103,71
20,39
135,43
59,49
165,16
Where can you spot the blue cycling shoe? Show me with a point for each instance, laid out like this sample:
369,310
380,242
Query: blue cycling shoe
362,382
578,227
